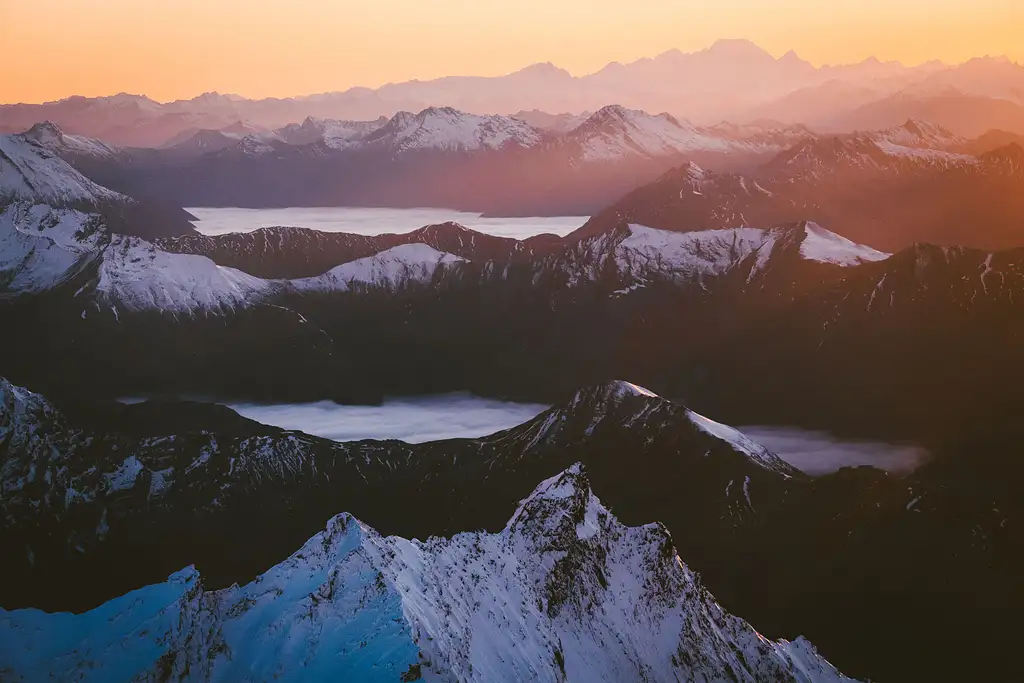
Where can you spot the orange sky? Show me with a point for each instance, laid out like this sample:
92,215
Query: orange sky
171,49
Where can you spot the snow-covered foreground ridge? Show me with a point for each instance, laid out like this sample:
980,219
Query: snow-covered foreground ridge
564,593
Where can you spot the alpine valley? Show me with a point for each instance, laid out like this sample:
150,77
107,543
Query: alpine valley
864,281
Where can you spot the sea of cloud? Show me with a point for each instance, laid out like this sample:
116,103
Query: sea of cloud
414,420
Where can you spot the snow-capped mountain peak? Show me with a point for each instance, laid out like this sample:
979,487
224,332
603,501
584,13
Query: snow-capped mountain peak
919,138
615,132
618,404
45,133
825,246
642,255
49,135
31,172
392,268
565,592
136,275
447,129
335,134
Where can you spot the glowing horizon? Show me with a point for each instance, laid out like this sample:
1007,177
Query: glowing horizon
274,48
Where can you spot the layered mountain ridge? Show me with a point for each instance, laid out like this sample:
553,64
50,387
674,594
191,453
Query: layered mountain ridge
865,284
556,595
730,80
437,157
93,510
887,188
175,305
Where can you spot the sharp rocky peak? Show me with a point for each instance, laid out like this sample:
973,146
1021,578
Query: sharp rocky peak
611,393
689,173
543,512
445,112
612,114
45,132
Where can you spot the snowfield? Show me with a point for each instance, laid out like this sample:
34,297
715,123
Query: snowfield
391,268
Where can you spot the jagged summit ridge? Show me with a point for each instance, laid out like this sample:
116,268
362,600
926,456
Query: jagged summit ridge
447,129
615,132
49,135
564,592
621,405
29,171
641,254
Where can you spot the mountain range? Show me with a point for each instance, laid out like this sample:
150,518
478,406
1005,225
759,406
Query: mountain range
888,188
563,592
698,286
437,157
731,80
268,314
101,501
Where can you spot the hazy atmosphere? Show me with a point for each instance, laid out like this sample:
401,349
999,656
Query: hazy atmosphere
278,48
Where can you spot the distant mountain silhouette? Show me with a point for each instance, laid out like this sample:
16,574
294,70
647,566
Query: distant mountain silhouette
731,80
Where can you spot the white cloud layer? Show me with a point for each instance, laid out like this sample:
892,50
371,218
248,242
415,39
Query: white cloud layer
818,453
414,420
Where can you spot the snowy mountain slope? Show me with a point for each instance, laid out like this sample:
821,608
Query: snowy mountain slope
31,172
564,592
638,252
391,269
919,134
336,134
54,223
825,246
87,483
641,254
493,164
47,134
136,275
42,247
298,253
888,189
615,132
446,129
619,405
913,147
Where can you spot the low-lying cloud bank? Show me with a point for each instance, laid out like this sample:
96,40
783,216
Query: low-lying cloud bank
463,415
818,453
414,420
